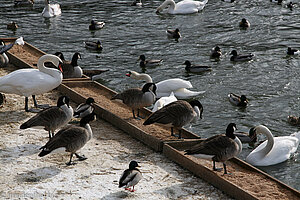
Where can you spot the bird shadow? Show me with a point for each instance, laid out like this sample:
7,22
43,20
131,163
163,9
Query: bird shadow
13,116
12,153
38,174
117,195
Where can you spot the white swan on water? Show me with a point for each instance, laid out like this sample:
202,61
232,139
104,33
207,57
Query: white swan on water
51,10
31,82
183,7
274,150
165,87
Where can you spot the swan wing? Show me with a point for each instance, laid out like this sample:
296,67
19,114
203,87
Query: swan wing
173,84
184,93
163,101
189,6
55,9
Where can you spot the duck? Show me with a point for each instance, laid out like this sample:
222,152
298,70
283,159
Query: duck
165,87
244,23
163,101
23,2
177,114
70,69
174,34
274,150
293,120
182,7
228,1
149,63
51,118
237,100
4,60
51,10
70,138
249,138
239,58
279,2
216,52
137,98
130,177
195,68
292,52
31,82
94,45
290,5
137,3
84,109
12,26
96,25
218,148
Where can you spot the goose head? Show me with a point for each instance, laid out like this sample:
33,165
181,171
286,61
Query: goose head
230,130
197,106
133,164
147,87
62,101
60,55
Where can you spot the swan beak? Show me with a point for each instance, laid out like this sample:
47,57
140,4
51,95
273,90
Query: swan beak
128,74
60,68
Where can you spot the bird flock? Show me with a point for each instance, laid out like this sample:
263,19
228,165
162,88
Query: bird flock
168,98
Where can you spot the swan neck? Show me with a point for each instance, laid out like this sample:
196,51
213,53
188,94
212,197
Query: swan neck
145,77
89,130
166,3
238,141
43,68
270,143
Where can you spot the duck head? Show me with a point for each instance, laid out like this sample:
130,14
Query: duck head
234,53
133,164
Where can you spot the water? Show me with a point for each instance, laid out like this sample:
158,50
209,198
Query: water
270,81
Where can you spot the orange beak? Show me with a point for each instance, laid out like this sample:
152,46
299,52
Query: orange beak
59,66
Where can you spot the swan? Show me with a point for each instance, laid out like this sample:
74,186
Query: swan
130,177
4,48
274,150
31,82
70,138
183,7
177,114
137,98
51,10
163,101
218,148
164,88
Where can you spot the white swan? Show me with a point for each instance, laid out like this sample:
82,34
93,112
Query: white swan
165,87
163,101
51,10
4,60
183,7
31,82
275,150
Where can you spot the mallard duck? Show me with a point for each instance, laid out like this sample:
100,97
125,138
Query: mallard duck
244,23
237,100
93,45
292,52
137,98
149,63
239,58
293,120
173,33
195,68
137,3
84,109
130,177
244,137
96,25
218,148
216,52
176,114
71,138
12,26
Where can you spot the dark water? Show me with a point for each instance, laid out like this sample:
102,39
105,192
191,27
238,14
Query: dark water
270,81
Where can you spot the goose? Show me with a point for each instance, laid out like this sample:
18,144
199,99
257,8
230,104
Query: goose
70,69
176,114
31,82
173,33
292,52
4,60
137,98
236,58
182,7
12,26
51,10
93,45
195,68
23,2
51,118
244,23
137,3
84,109
237,100
274,150
70,138
218,148
130,177
250,137
163,101
96,25
149,63
216,52
165,87
293,120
